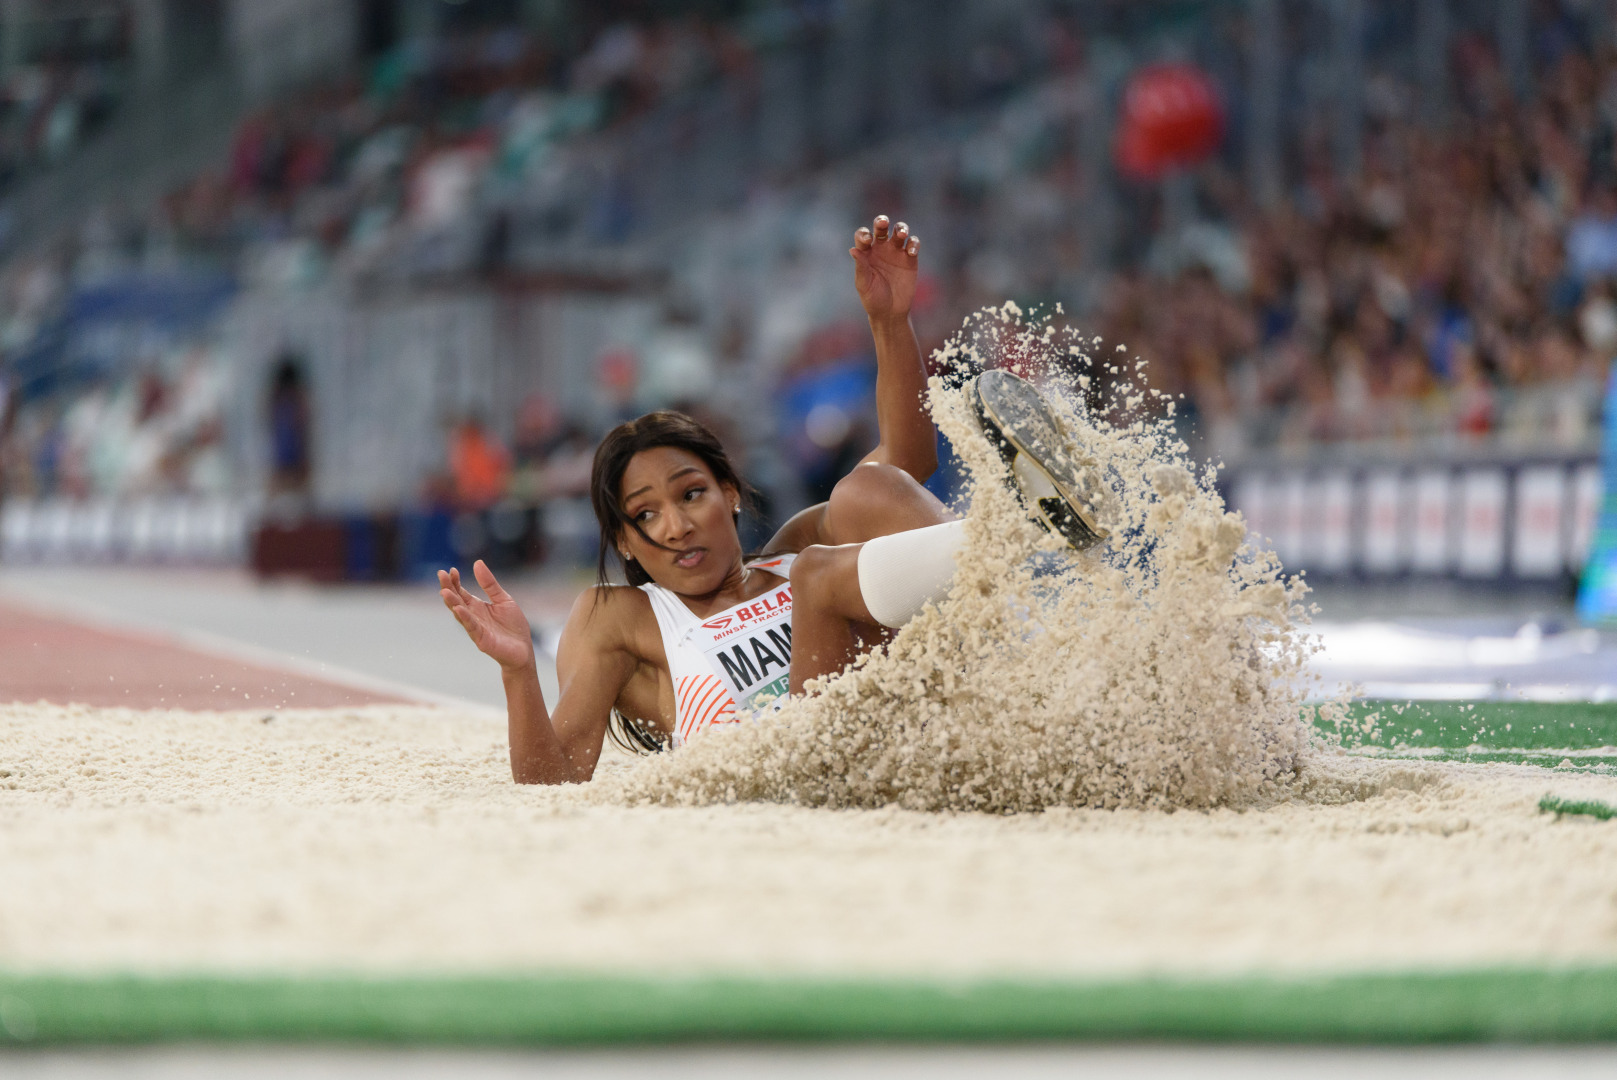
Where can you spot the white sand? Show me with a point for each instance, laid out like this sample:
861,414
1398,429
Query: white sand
392,839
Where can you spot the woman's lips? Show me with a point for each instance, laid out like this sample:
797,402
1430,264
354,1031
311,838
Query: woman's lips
691,558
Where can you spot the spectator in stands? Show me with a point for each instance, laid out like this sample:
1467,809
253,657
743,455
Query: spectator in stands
552,454
289,423
1591,242
479,466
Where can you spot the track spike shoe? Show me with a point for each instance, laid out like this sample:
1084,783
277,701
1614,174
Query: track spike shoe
1028,435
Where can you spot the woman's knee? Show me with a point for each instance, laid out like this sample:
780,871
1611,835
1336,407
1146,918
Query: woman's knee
810,568
873,480
876,499
826,579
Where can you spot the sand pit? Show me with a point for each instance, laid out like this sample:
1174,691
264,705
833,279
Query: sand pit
391,839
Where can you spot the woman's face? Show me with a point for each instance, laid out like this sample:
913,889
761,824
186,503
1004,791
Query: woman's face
678,504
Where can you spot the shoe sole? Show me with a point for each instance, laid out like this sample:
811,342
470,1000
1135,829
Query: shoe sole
1028,436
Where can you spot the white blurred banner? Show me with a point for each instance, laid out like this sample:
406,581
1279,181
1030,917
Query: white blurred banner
1527,520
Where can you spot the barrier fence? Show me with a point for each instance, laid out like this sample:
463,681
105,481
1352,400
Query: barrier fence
1527,520
181,530
406,545
1509,522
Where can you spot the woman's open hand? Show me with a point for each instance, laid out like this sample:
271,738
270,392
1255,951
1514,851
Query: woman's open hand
496,625
885,260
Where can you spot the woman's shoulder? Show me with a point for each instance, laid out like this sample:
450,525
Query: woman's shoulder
604,613
611,601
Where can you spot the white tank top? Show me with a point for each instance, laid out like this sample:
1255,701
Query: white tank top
742,654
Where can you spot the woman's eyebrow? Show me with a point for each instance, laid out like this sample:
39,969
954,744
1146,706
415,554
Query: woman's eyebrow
675,475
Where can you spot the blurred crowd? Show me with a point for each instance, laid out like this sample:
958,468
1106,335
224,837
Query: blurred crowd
48,108
1464,285
380,173
65,80
159,431
386,172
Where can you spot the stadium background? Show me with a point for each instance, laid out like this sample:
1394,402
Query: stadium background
349,289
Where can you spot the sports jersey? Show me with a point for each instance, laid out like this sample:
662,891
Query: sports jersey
739,656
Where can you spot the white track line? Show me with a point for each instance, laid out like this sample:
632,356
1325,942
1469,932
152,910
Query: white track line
216,645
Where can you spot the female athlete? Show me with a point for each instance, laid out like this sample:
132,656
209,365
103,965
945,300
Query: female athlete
702,634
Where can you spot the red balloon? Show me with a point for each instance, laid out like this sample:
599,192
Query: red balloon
1172,119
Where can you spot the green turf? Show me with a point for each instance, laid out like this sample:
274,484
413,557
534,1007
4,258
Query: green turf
1594,808
1525,724
1577,735
1465,1006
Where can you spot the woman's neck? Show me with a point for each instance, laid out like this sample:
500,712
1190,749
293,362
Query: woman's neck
739,584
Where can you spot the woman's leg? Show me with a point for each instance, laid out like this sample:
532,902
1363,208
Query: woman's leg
878,500
830,622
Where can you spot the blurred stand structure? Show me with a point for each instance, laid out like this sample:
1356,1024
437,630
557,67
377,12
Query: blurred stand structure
1395,261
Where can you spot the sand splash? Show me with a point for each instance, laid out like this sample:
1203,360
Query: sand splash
1162,671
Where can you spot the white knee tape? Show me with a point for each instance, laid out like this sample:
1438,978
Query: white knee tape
901,572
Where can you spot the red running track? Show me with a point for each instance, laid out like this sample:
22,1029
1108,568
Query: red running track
44,658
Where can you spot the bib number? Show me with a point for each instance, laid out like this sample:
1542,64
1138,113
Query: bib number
749,647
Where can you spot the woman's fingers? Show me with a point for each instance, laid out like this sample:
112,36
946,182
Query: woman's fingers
458,587
455,596
491,585
457,607
449,589
883,231
450,585
468,617
474,615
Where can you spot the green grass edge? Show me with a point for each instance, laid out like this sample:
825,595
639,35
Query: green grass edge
1525,725
1470,1006
1594,808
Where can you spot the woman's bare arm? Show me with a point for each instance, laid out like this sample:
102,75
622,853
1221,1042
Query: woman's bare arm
593,668
886,263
